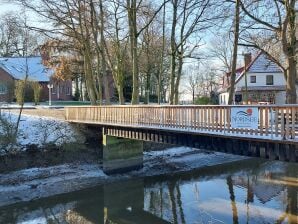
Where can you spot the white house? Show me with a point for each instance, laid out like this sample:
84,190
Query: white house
265,82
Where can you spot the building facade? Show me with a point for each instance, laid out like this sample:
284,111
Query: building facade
16,68
262,81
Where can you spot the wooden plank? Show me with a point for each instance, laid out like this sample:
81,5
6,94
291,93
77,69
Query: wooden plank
287,127
282,121
276,121
261,121
293,126
266,110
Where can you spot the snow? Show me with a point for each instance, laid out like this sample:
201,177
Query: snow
170,152
41,130
16,67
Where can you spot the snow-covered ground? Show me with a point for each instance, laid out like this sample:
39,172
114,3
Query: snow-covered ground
40,130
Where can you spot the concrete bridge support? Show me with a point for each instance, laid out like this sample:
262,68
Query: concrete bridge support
121,155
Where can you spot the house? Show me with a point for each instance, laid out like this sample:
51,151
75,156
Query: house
265,82
15,68
54,51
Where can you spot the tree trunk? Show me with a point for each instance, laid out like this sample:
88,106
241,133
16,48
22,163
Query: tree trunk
235,50
89,80
179,74
99,80
291,80
121,95
289,47
173,53
162,55
132,19
103,57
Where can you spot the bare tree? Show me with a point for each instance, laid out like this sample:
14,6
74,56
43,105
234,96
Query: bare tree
193,81
12,36
133,7
189,17
222,50
271,31
235,51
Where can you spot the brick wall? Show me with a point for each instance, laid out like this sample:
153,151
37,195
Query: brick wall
62,91
7,81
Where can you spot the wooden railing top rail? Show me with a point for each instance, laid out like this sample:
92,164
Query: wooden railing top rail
187,106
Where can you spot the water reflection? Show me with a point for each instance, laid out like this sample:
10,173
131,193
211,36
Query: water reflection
242,192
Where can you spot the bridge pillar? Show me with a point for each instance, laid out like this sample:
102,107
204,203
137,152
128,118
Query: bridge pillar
121,155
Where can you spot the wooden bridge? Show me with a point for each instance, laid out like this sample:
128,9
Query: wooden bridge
273,135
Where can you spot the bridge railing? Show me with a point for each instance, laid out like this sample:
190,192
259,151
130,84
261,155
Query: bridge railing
272,122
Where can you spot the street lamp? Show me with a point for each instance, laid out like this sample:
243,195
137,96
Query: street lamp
50,86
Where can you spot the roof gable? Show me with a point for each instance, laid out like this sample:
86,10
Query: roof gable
263,64
260,64
16,67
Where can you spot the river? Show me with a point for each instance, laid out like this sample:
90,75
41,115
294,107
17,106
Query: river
250,191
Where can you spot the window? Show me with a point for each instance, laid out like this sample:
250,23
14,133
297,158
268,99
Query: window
67,91
253,79
54,90
3,88
269,80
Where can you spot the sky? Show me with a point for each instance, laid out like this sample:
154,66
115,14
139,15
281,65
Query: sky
5,6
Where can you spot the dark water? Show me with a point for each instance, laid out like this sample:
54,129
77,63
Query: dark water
252,191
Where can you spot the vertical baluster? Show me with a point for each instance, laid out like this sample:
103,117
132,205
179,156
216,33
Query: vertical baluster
228,119
261,112
282,122
294,114
287,128
276,121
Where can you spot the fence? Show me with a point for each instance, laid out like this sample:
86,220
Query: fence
272,121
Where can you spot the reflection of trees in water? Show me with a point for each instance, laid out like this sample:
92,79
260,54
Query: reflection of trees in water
49,213
165,201
232,198
180,203
291,211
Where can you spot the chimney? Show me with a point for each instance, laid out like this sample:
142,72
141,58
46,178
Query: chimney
247,59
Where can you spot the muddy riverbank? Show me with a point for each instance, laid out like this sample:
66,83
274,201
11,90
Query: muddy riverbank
40,182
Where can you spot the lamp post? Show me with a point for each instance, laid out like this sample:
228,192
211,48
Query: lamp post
50,86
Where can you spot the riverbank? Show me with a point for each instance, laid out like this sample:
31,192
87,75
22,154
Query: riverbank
35,183
40,169
39,131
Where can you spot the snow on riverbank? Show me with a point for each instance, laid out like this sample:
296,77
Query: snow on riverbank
35,183
39,130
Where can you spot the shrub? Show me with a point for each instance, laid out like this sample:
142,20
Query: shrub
203,100
7,134
19,91
23,93
36,91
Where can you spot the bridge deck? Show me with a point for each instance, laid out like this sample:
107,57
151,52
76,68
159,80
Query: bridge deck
275,123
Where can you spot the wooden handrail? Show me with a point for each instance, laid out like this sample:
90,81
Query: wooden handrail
274,121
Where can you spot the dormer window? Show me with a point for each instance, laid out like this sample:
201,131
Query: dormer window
253,79
269,80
